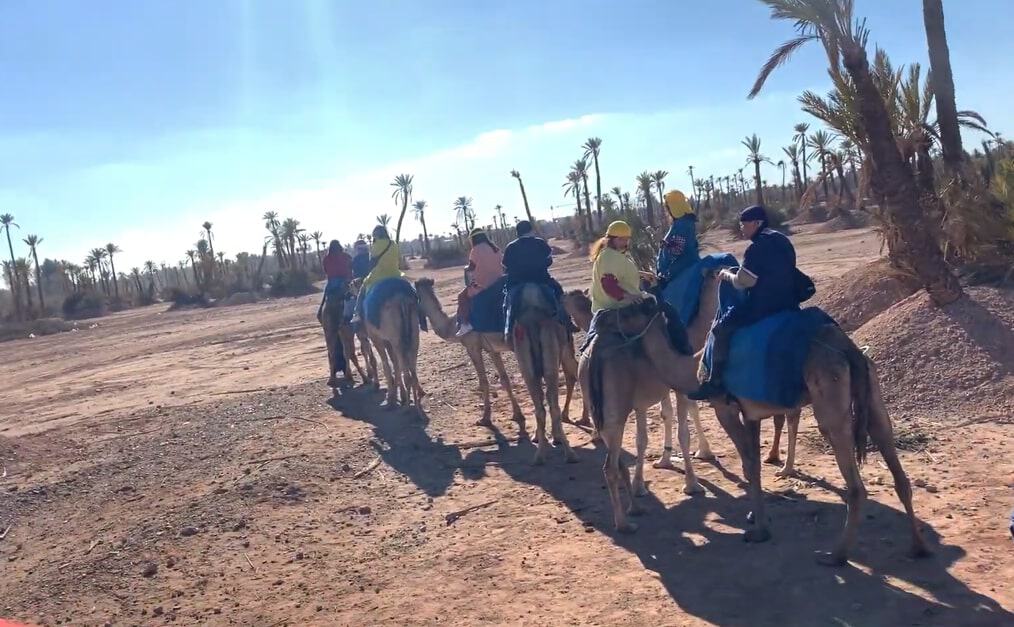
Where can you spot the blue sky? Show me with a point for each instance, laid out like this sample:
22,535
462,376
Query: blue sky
134,122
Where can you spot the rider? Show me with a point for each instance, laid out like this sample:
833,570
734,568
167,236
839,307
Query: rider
767,276
485,267
360,259
385,263
527,260
679,249
338,268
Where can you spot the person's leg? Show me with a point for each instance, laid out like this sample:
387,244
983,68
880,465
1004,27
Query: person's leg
464,307
721,344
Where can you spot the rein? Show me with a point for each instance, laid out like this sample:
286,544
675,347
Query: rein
629,340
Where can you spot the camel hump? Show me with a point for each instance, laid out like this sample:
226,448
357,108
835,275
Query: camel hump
536,301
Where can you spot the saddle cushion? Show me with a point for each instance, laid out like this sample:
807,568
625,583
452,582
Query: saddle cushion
683,292
766,359
381,292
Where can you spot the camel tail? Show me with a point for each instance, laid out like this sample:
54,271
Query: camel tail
862,396
596,390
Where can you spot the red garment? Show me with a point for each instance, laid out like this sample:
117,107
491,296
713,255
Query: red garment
612,287
338,266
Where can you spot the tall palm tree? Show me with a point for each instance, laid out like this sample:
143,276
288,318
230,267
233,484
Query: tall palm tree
100,254
304,246
211,245
272,224
942,81
754,156
912,241
792,152
781,165
33,241
573,186
192,255
136,274
800,137
149,267
644,187
693,183
290,231
821,142
619,197
658,178
402,185
22,269
6,222
384,220
465,213
317,236
112,249
419,207
524,196
591,148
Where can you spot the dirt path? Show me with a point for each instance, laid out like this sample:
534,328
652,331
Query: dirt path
191,467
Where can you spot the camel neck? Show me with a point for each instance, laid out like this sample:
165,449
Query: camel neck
443,325
700,326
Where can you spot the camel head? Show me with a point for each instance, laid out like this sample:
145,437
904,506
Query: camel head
579,307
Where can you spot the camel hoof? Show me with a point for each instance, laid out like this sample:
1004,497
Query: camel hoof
754,536
664,462
786,472
540,457
704,456
627,527
693,488
774,460
830,558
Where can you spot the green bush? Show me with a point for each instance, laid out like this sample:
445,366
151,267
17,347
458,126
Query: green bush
446,258
293,282
81,305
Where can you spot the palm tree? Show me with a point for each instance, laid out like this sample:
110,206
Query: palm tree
658,178
463,210
22,269
912,241
591,148
942,81
304,246
693,183
524,196
136,273
402,185
792,152
192,255
800,137
619,197
273,226
112,249
33,241
781,165
149,267
754,156
821,144
419,207
6,222
644,185
99,255
290,231
211,245
317,236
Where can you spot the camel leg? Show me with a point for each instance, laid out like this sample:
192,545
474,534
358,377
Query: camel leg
690,483
615,471
703,446
399,373
666,460
538,399
475,354
505,383
392,384
370,357
332,380
638,489
746,438
882,434
569,362
551,376
831,406
789,468
774,454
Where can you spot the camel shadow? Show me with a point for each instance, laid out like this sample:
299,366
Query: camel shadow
696,550
401,439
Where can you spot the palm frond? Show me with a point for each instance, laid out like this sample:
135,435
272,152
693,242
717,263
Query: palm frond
780,55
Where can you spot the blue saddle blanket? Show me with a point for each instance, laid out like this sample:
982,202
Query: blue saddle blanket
488,314
382,292
766,359
683,292
512,305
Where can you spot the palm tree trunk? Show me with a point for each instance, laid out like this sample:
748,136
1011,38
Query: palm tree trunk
14,272
942,81
38,280
401,218
426,234
844,189
757,182
587,202
524,197
914,240
116,285
598,188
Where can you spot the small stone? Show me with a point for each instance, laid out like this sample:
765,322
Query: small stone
932,489
364,510
170,562
186,532
158,611
320,608
299,556
150,568
919,483
240,525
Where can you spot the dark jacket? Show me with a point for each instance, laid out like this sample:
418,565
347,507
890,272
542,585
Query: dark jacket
527,260
772,260
361,265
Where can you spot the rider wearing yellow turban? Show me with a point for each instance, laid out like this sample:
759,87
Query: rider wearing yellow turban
679,249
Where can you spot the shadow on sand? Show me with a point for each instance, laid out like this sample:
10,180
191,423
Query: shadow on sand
695,548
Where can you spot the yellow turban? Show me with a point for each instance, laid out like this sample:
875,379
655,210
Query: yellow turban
677,204
618,229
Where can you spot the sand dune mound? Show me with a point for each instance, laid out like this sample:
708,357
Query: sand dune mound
954,362
843,222
859,295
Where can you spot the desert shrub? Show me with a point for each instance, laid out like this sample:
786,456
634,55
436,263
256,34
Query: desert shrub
181,298
81,305
292,282
37,328
446,257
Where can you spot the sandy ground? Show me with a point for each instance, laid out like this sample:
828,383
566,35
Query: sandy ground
191,467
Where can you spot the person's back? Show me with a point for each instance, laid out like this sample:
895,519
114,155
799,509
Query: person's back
486,264
361,263
679,249
338,265
770,258
527,259
385,257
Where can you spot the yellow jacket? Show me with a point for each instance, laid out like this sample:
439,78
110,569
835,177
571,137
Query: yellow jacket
386,257
613,274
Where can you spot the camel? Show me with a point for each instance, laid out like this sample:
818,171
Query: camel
494,344
397,341
337,330
625,371
578,305
541,344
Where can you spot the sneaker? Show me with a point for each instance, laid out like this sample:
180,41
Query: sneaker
463,330
707,391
